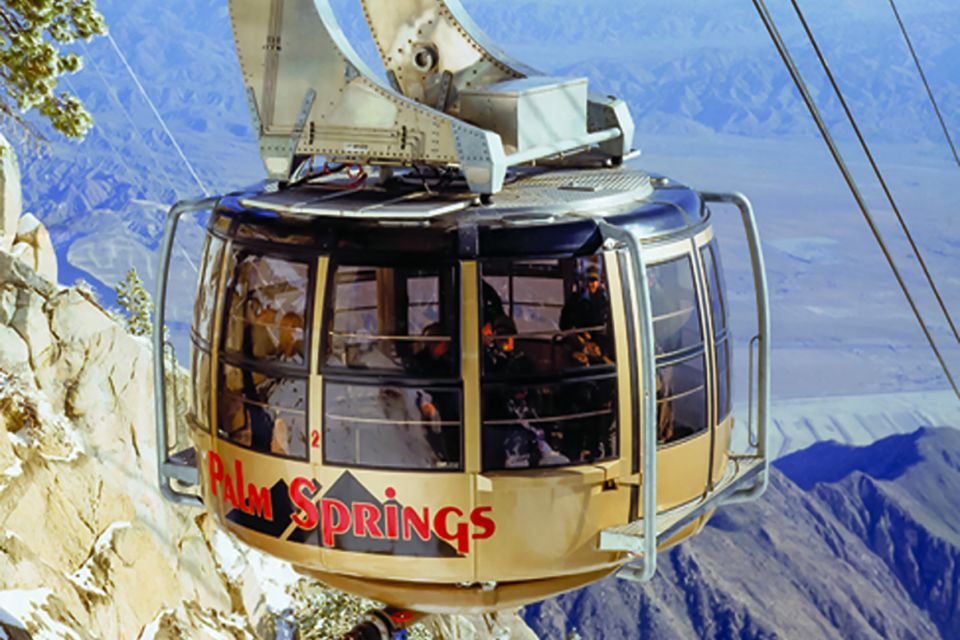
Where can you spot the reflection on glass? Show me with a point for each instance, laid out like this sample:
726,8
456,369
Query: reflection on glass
681,400
549,425
393,319
266,309
263,413
676,317
392,427
712,267
200,373
723,380
207,288
545,316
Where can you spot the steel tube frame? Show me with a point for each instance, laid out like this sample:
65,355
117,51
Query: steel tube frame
739,200
648,404
167,470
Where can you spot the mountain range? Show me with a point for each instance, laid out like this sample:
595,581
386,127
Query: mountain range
846,543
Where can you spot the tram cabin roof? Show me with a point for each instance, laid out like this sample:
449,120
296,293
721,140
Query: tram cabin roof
540,212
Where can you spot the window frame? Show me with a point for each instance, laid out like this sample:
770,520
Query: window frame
298,372
603,372
389,377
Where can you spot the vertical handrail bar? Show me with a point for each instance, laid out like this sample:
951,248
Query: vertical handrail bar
648,412
763,325
164,474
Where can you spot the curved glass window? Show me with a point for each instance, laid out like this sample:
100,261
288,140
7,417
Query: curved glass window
200,374
262,412
542,319
392,427
713,268
681,369
673,296
206,299
262,378
397,326
266,309
399,320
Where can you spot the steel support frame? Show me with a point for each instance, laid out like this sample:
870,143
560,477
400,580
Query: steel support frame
167,467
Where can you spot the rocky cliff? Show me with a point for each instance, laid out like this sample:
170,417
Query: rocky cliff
847,543
88,547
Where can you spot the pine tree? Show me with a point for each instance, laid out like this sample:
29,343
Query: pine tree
32,61
136,302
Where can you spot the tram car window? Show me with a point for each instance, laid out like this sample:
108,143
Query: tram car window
680,351
542,319
713,268
262,384
392,397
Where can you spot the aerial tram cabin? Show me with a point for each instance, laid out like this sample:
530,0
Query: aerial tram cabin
463,390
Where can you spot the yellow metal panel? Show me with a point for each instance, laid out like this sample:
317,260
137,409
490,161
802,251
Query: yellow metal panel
548,524
721,452
622,338
319,300
683,471
470,363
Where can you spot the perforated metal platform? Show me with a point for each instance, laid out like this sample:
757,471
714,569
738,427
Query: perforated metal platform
552,192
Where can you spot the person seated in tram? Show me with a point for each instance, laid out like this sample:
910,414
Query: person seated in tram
519,438
434,359
589,310
265,397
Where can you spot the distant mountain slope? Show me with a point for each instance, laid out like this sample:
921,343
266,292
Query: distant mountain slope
852,556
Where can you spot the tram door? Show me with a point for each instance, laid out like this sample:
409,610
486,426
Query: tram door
686,443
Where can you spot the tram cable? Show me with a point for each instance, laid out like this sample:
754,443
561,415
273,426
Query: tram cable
926,84
156,113
89,58
876,169
814,110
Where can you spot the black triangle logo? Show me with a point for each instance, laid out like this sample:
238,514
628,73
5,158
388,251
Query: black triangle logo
348,490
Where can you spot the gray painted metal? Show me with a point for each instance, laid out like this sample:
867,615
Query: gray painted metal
536,197
762,296
750,476
647,549
290,48
170,467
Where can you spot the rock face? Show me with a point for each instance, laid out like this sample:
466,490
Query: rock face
847,543
32,245
11,201
88,547
86,542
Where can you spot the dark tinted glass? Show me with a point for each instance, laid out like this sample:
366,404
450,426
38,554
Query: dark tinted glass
676,316
681,400
723,379
200,373
394,320
392,427
549,425
715,289
207,288
263,413
545,316
267,308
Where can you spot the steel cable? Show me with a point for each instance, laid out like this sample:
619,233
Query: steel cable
811,105
923,76
876,168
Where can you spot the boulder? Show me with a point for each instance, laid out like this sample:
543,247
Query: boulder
33,246
11,201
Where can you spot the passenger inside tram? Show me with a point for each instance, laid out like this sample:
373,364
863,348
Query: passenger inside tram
588,310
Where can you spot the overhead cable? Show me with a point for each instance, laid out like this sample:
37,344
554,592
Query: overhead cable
876,168
811,105
923,76
159,117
